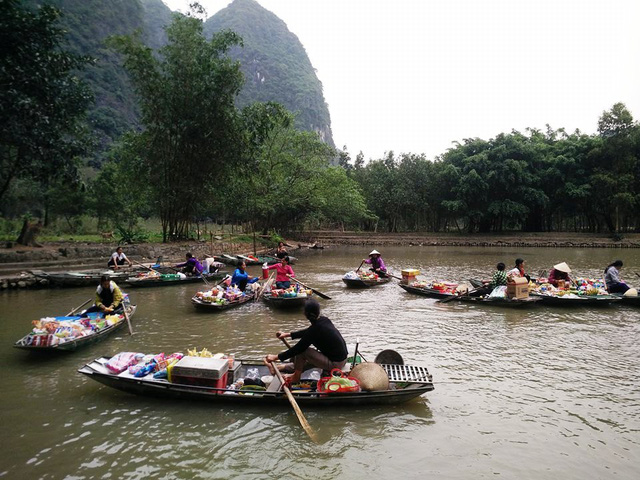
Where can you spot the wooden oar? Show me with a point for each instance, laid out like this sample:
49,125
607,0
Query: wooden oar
126,316
143,265
268,283
453,297
77,308
361,263
317,292
301,418
638,274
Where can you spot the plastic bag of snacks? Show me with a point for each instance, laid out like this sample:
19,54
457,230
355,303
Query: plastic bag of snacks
119,363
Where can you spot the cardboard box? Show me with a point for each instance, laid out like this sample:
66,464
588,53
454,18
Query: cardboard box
517,287
409,275
200,371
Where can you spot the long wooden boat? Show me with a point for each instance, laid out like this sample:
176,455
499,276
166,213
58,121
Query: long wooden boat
168,280
360,283
219,307
407,382
26,342
426,292
499,301
285,302
80,279
261,259
576,301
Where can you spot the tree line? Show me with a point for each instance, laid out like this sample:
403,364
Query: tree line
198,156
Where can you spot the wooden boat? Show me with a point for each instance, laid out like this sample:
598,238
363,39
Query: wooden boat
426,292
362,283
285,302
499,301
237,260
575,301
217,307
26,342
407,382
168,280
80,279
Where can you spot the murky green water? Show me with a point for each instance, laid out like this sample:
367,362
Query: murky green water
539,393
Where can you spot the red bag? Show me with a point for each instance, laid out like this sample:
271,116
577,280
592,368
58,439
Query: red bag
338,382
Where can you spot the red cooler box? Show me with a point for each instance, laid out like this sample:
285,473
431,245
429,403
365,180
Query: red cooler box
200,371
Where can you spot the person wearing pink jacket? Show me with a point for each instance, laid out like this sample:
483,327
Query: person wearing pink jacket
283,269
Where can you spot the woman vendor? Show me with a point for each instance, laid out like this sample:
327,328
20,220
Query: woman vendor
377,264
331,348
241,278
560,272
612,278
192,266
284,271
281,252
108,296
118,258
518,270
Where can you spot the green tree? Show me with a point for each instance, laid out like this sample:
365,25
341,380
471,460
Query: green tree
42,102
191,131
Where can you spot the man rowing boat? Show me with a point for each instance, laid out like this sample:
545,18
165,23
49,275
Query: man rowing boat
331,348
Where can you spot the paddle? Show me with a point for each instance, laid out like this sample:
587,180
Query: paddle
77,308
361,263
301,418
268,283
317,292
638,274
126,316
453,297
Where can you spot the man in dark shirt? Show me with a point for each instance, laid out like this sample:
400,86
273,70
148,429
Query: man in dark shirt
331,348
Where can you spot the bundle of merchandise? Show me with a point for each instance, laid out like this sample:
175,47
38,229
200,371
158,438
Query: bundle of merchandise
50,331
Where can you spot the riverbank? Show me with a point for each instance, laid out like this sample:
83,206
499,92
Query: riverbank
18,261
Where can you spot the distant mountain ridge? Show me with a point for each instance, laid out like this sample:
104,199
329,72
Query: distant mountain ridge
275,64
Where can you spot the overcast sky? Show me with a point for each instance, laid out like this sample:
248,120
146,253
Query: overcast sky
416,75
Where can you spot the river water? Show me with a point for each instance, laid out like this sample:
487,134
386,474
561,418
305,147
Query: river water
542,393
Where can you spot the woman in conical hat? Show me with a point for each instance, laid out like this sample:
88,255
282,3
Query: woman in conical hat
560,271
376,262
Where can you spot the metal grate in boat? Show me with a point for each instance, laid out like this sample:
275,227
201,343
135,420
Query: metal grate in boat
407,373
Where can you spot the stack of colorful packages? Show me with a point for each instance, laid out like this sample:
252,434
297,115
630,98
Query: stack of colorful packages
50,331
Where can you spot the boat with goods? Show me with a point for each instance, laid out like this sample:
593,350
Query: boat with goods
167,279
71,332
222,384
364,279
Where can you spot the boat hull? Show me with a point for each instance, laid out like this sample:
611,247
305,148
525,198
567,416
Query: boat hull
586,301
284,302
500,302
359,283
158,282
214,307
425,292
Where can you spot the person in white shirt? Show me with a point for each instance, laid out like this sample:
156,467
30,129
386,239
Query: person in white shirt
118,259
518,270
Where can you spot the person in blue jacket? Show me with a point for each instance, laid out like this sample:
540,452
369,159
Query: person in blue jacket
241,278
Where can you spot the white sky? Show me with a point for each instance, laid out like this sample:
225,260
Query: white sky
416,75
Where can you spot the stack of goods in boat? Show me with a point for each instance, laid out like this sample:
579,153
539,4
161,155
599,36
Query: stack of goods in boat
294,291
582,287
441,287
56,331
221,295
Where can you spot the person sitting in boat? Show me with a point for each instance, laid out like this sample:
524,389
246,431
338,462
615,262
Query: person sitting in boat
108,297
192,266
559,272
499,277
241,278
209,265
281,252
284,271
518,270
330,351
118,258
612,278
377,264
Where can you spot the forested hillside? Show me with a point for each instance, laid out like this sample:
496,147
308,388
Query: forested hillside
275,65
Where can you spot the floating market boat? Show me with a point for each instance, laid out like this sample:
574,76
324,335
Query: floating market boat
252,260
167,279
571,300
406,382
279,301
363,280
81,279
70,333
218,306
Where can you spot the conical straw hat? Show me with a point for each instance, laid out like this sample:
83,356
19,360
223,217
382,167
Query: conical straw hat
562,267
632,292
371,376
374,252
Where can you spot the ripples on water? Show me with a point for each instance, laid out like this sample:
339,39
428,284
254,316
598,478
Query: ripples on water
539,393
